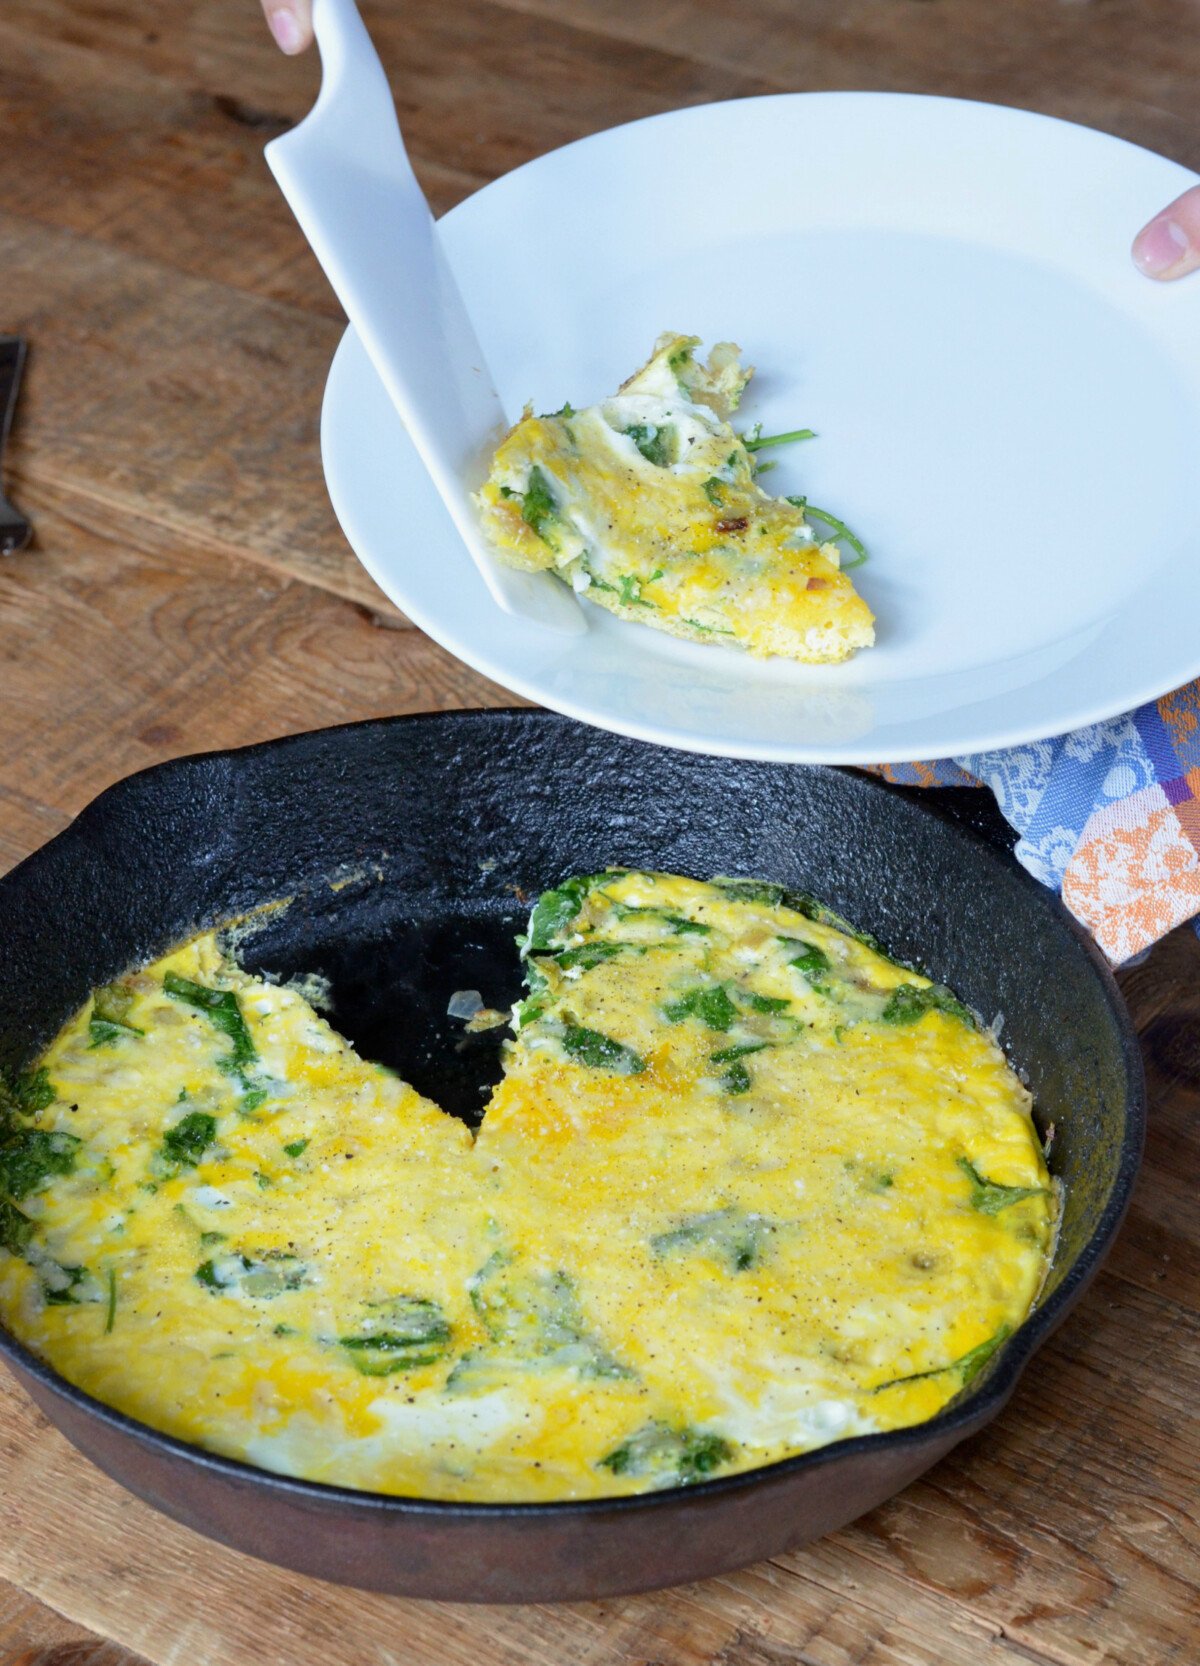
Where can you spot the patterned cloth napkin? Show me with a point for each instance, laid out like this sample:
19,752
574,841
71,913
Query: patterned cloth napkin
1108,816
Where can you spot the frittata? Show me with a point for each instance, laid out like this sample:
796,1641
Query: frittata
747,1187
648,504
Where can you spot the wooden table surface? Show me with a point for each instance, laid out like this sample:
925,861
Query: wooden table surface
189,589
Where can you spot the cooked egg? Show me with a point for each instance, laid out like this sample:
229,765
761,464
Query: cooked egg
747,1187
648,505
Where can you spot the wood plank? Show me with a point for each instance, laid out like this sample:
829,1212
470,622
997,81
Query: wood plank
1157,1251
33,1635
160,148
1128,66
1134,60
172,403
164,170
117,659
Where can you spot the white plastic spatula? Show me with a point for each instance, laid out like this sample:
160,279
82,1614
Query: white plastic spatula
346,174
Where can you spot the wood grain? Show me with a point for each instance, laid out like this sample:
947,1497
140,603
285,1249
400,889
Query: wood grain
33,1635
480,87
217,448
1130,66
138,657
189,589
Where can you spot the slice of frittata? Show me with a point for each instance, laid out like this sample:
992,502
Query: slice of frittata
648,505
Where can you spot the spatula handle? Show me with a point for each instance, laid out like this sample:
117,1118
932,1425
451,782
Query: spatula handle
348,179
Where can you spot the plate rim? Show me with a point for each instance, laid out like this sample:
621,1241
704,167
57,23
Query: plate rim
342,381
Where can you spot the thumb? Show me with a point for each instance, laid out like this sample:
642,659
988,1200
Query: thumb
1169,247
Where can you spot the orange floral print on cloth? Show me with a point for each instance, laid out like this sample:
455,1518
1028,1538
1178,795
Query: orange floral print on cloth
1108,816
1135,875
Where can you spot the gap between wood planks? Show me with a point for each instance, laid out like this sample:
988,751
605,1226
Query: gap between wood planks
1123,66
117,658
88,508
992,1631
34,1634
976,1624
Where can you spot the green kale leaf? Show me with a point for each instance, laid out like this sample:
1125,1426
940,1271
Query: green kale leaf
31,1157
657,445
601,1051
708,1002
909,1002
672,1456
538,507
988,1197
554,911
751,890
109,1019
732,1236
16,1229
224,1013
187,1140
417,1334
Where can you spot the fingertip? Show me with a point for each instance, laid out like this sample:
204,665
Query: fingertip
292,33
1160,247
1169,246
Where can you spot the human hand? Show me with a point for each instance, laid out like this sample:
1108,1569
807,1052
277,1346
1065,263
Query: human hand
290,21
1169,246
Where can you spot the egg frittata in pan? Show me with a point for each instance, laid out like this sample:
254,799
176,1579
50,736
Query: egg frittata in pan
649,505
747,1187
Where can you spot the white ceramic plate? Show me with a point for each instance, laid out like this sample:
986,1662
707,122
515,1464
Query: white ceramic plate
1008,413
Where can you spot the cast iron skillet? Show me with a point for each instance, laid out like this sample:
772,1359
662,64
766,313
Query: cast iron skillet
435,830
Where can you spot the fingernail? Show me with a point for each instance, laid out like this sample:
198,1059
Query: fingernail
286,30
1159,247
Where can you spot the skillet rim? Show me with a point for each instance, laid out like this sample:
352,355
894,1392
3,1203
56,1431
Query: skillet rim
963,1416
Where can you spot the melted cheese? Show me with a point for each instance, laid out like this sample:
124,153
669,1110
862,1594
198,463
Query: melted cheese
747,1187
648,504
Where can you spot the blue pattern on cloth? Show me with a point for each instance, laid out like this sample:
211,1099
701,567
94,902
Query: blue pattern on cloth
1049,790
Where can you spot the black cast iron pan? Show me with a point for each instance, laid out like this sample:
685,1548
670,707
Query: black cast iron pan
434,830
